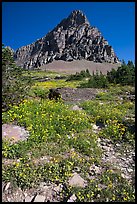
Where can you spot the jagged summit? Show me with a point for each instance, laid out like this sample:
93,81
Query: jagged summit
78,17
75,19
72,39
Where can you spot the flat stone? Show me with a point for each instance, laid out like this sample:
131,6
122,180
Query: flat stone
76,180
14,132
39,198
29,198
76,108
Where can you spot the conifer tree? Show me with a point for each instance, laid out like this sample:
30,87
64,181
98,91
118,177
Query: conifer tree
14,84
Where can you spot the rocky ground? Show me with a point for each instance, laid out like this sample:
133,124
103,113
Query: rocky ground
77,66
117,156
75,95
49,192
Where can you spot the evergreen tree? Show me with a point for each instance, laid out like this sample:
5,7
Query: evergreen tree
124,75
14,84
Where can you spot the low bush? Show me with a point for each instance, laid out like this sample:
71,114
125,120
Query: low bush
124,75
79,76
96,81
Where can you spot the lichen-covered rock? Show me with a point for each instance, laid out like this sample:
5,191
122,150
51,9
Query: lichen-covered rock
72,39
14,133
77,180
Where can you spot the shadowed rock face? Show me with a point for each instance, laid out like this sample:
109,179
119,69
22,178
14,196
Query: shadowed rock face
72,39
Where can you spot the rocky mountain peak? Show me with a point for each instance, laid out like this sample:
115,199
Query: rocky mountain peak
78,17
72,39
75,19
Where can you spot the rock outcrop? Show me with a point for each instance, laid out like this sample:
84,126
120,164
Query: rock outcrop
72,39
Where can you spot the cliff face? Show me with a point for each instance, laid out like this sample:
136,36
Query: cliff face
72,39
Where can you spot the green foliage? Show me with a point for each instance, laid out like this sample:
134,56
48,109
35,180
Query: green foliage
104,111
47,120
14,84
114,130
115,91
79,76
62,141
96,81
124,75
28,175
113,116
115,189
40,92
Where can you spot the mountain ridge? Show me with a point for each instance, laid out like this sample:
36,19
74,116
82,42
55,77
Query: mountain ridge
72,39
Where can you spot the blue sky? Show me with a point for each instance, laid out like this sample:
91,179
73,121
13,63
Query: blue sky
25,22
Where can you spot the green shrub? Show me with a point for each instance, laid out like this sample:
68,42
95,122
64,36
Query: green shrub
40,92
124,75
96,81
79,76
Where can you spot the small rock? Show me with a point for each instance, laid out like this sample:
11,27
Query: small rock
72,198
39,198
98,195
9,200
130,170
25,194
102,186
98,140
76,108
58,188
94,169
125,176
117,145
42,184
95,127
76,180
76,169
106,148
29,198
7,186
124,159
107,140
